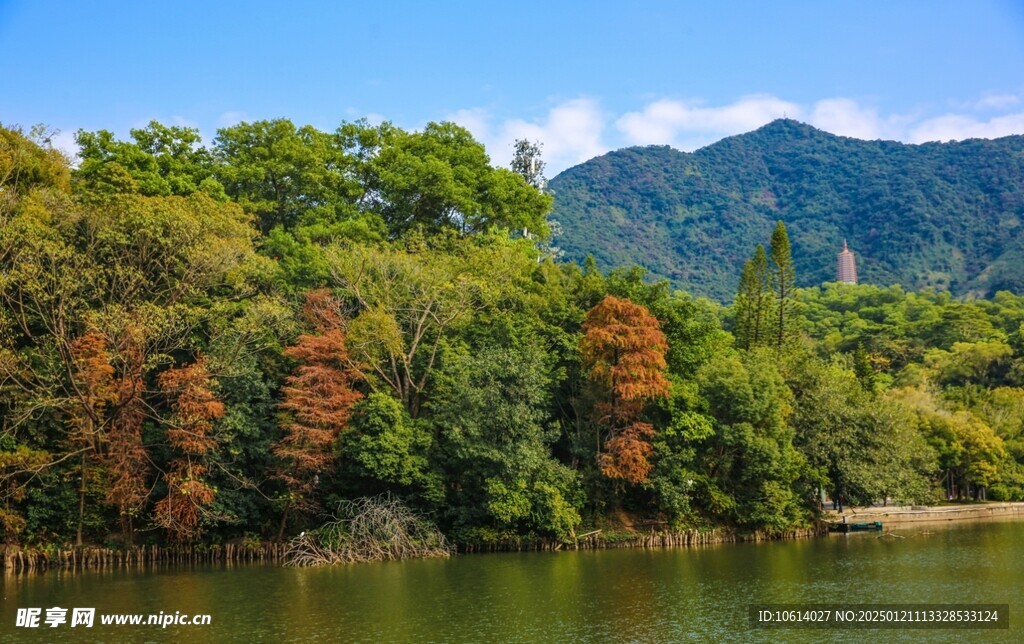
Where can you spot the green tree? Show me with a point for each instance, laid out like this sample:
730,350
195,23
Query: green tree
864,369
970,454
405,302
856,445
526,162
442,178
677,479
753,308
27,162
97,298
753,469
783,281
161,161
286,175
387,450
978,363
492,411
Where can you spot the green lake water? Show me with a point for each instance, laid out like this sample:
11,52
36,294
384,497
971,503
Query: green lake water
686,594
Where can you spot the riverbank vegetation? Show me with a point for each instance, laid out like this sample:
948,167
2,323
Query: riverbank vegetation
201,344
379,528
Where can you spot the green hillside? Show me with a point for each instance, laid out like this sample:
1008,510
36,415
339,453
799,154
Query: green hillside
939,215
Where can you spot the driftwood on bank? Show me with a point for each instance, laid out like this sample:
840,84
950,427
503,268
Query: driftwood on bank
379,528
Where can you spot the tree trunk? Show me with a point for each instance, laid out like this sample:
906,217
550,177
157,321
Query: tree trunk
81,502
127,529
284,521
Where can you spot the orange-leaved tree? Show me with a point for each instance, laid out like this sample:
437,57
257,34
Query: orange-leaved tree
623,352
93,380
127,462
317,401
195,408
107,414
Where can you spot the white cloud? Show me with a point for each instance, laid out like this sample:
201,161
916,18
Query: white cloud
997,102
659,122
689,124
476,120
571,132
577,130
228,119
373,118
846,117
961,126
181,121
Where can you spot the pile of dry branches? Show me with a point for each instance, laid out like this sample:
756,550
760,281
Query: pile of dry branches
374,528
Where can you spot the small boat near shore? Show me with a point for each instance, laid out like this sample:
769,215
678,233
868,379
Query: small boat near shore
864,526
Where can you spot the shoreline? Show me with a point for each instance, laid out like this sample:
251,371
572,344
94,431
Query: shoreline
18,560
899,515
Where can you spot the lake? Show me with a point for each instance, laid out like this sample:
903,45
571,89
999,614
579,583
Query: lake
608,595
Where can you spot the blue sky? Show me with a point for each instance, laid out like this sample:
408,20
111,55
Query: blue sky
582,77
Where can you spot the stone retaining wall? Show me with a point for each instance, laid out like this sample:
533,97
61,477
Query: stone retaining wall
895,516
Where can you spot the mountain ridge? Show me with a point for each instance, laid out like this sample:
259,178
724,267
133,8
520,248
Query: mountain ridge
933,215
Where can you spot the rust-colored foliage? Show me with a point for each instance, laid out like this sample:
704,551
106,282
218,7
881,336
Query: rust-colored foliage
627,452
318,399
109,414
126,459
195,410
94,376
624,348
195,407
94,381
127,464
624,352
321,310
178,512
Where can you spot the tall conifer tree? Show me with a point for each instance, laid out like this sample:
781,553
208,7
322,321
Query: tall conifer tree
783,281
754,301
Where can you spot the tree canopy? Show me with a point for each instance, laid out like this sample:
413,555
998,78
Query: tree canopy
202,343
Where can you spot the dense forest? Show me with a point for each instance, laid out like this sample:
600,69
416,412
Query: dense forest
206,342
946,216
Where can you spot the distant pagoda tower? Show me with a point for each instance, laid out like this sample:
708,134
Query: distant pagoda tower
847,266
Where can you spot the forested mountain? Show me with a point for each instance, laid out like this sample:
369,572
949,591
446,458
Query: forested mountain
939,215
